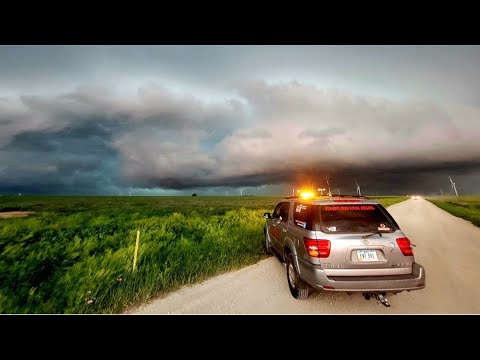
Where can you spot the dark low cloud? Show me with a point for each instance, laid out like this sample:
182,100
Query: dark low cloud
75,160
94,140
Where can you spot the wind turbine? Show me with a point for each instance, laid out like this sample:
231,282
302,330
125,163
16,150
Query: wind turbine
453,186
328,183
358,189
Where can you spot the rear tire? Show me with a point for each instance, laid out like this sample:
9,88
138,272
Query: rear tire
297,287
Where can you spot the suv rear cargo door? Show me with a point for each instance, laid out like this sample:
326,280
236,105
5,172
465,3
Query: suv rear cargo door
363,241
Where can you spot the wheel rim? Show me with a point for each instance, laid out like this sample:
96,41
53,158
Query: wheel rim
291,275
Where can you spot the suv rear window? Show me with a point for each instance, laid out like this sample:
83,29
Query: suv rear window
354,218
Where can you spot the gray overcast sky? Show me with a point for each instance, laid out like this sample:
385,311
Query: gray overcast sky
210,119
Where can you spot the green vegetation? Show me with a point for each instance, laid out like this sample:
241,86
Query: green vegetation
466,207
389,200
74,254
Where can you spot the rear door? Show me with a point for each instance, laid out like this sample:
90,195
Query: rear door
273,229
353,254
279,224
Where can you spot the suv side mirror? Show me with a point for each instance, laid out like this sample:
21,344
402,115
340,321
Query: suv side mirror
267,215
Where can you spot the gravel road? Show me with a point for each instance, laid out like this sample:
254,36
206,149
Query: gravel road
448,247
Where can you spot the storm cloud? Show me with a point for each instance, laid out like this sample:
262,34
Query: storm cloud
105,139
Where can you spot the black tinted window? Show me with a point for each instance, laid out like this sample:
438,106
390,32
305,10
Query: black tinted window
302,215
276,212
354,218
284,209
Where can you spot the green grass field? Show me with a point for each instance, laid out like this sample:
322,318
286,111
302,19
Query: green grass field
74,254
389,200
466,207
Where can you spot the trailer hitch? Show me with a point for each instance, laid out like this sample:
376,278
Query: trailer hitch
380,297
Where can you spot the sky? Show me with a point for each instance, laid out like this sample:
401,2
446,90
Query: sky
212,120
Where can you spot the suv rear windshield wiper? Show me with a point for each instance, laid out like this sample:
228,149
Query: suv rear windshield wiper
374,233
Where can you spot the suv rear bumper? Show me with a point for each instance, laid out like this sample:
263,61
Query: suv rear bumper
315,277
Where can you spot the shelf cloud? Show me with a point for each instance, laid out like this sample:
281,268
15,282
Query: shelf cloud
98,139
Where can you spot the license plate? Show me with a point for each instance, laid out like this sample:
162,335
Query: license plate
367,255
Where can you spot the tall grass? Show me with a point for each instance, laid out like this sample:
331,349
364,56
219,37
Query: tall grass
389,200
466,207
74,254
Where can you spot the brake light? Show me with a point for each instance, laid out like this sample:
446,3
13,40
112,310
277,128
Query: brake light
404,245
348,200
317,248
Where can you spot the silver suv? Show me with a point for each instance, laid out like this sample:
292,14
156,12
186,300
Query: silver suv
342,243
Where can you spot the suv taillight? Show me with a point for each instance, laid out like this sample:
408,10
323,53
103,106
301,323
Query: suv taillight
404,245
317,248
